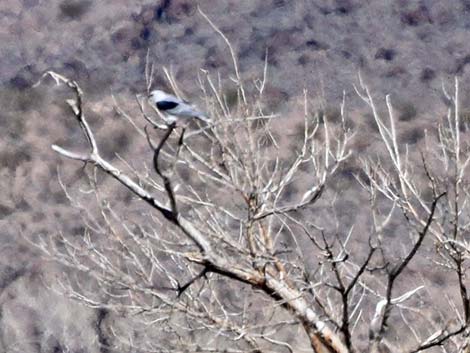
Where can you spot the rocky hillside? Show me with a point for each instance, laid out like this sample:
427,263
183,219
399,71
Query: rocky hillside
405,48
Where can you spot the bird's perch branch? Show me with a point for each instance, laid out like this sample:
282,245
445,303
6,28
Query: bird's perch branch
275,287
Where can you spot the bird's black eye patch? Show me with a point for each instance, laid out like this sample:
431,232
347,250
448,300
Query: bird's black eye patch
166,105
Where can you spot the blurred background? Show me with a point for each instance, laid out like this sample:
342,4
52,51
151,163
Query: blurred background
404,48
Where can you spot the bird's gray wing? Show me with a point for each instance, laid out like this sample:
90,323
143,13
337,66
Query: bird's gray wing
185,110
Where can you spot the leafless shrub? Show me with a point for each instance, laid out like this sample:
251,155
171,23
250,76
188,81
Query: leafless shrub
230,256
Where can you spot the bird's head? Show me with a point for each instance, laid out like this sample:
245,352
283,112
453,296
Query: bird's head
157,95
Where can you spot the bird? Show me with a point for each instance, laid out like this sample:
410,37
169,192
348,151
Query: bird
175,109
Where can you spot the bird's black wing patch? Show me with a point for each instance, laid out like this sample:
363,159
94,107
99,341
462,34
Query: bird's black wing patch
166,105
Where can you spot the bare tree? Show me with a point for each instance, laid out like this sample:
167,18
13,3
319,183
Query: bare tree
443,164
241,245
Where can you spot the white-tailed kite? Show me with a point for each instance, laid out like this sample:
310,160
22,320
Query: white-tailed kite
175,109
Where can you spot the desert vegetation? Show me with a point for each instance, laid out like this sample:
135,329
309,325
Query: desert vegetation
234,236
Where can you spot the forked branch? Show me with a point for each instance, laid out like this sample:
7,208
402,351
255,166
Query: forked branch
213,258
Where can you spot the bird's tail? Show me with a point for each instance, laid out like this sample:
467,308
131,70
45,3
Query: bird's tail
203,117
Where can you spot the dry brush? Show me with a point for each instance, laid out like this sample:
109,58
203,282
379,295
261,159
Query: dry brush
238,245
